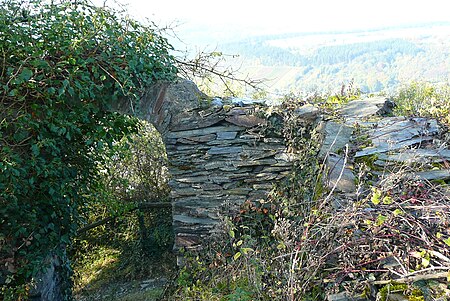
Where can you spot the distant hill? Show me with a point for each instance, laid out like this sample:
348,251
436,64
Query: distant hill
375,59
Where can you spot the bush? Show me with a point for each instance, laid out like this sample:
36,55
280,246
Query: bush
424,99
64,64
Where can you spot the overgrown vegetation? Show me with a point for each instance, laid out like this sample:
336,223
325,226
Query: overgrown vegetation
253,257
296,245
424,99
66,159
137,242
64,64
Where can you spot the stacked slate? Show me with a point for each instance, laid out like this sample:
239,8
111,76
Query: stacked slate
218,159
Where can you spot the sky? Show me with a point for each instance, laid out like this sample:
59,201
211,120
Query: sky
203,20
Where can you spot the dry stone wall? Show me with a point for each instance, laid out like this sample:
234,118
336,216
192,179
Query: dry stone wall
220,154
217,162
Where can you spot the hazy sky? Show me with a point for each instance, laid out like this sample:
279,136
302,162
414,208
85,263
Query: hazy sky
197,18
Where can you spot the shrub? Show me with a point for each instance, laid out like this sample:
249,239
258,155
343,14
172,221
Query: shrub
64,64
424,99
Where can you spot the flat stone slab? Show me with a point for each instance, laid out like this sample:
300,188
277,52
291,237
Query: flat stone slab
217,150
434,175
226,135
417,156
200,132
367,107
335,166
393,133
247,121
307,112
336,136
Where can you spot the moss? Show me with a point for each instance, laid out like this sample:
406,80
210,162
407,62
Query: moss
413,294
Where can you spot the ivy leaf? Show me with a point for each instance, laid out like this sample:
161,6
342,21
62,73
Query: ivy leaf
35,149
26,74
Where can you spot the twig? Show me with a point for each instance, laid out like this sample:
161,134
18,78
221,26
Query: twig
412,278
103,221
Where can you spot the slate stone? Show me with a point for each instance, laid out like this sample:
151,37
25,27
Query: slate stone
276,169
361,108
307,112
226,135
336,136
237,111
397,133
201,179
335,165
220,179
238,191
250,137
417,156
257,154
197,139
262,186
255,162
217,165
210,187
432,175
247,121
204,131
215,150
216,101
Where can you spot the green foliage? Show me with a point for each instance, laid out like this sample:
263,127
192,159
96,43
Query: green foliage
258,257
424,99
331,102
137,243
64,65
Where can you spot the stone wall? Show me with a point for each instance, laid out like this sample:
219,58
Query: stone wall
218,165
220,154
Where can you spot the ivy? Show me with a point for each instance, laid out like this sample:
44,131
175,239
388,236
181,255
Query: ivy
64,66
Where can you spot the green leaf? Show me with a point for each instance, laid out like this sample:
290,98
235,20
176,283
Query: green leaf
387,200
447,241
397,212
13,92
35,149
237,255
380,220
376,196
26,74
246,250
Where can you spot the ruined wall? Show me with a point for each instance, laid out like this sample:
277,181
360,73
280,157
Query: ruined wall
217,166
220,154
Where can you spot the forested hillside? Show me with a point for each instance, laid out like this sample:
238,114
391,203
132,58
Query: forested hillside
377,60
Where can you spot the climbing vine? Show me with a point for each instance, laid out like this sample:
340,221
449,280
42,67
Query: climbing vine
64,65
